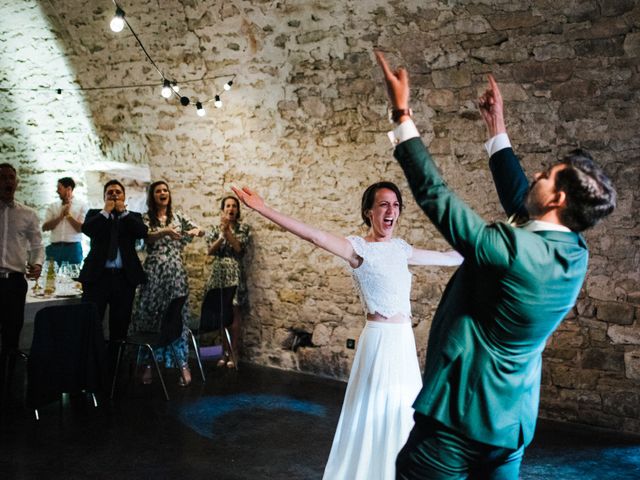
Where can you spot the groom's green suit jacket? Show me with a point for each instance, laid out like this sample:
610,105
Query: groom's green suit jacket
484,355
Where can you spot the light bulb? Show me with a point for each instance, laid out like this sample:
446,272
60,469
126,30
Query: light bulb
227,86
176,87
117,22
217,102
166,89
199,110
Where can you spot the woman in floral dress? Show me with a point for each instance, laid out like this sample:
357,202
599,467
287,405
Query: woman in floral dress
166,277
227,243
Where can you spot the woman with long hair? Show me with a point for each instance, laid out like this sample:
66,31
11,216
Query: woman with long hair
166,277
376,415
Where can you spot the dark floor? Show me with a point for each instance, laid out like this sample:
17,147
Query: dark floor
256,423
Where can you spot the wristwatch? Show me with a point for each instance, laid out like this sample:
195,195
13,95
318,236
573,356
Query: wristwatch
396,113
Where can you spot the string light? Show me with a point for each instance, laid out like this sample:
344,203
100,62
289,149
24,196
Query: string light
166,89
169,87
117,22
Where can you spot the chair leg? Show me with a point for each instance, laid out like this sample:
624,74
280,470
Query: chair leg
115,372
9,371
231,351
155,362
197,352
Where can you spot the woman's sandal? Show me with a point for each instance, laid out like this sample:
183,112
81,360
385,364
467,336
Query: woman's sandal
185,377
223,360
147,375
231,364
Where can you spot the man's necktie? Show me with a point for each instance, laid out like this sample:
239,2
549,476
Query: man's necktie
113,239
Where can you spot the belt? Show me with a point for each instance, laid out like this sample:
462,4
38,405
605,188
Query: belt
4,275
114,271
64,243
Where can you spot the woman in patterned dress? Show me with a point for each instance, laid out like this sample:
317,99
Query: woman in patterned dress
376,414
166,277
227,243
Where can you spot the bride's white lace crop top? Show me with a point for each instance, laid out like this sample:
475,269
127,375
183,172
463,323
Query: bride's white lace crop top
383,279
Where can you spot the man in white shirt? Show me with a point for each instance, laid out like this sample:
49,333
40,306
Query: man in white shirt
64,220
20,252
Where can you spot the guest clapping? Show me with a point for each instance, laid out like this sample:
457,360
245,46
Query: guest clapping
166,277
64,220
227,243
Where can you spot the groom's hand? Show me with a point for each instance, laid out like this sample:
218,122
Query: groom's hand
491,108
397,86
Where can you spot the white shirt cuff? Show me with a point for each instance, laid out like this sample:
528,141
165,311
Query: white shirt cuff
403,132
497,143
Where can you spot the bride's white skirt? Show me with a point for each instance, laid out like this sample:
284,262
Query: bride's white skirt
376,415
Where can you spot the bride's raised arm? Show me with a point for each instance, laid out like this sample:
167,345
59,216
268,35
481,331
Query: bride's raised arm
450,258
339,246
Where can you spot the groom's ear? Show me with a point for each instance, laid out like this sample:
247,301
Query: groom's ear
559,199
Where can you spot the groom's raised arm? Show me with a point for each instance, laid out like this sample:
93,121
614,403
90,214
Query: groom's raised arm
509,178
459,224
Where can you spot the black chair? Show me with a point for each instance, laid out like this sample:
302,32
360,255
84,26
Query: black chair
9,368
170,330
68,354
216,316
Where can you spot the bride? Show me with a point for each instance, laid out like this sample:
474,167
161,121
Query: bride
377,412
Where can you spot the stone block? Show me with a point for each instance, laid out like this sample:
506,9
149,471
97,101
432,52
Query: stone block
600,419
551,71
321,335
622,403
451,78
567,377
615,312
602,47
631,425
553,51
624,335
582,398
515,20
574,88
562,354
632,364
600,359
619,7
631,45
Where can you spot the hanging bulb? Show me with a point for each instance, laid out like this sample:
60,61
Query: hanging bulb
227,86
117,22
166,89
217,102
199,110
184,101
175,87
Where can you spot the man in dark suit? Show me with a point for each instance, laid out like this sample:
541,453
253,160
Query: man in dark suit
478,406
112,269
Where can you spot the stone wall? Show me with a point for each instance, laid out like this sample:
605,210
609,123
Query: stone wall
305,126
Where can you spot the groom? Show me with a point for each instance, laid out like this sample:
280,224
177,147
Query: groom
477,409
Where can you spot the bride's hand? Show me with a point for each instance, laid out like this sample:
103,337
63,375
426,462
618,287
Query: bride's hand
250,198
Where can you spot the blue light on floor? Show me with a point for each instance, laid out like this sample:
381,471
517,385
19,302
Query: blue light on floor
202,414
